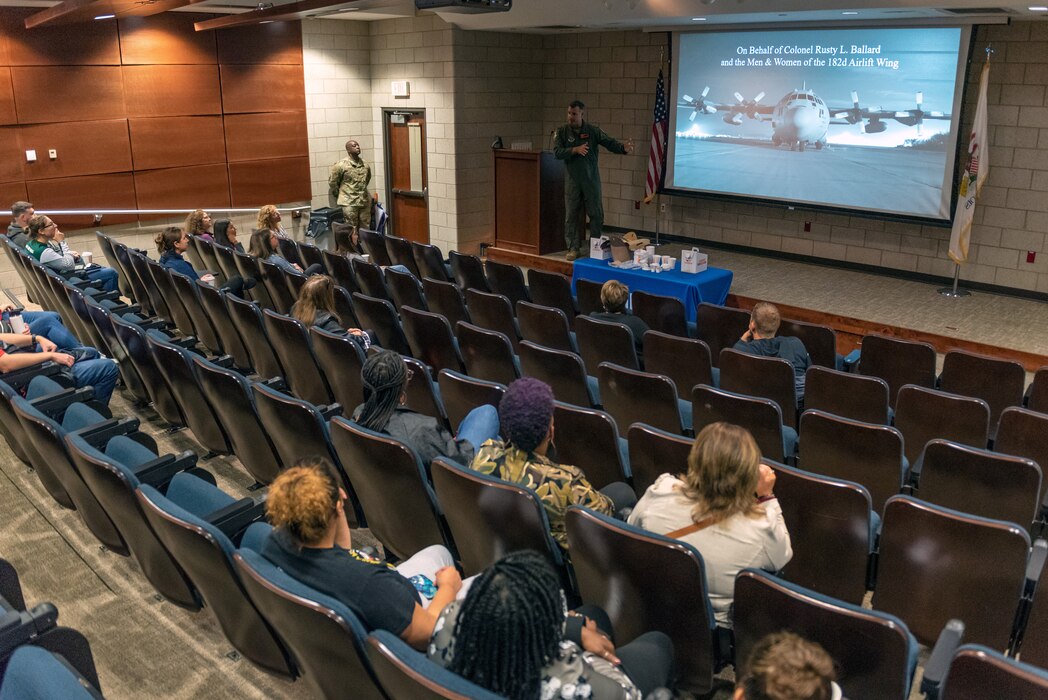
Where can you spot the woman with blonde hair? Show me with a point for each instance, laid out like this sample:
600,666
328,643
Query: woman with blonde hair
316,307
269,218
311,542
199,223
725,507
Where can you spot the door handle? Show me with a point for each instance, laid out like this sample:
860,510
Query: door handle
410,193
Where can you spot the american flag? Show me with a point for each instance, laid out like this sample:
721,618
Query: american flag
657,154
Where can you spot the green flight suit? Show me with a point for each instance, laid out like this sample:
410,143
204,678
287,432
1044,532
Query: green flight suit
348,182
582,186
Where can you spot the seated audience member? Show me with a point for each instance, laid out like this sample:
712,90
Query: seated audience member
613,296
316,307
724,507
385,378
47,245
526,420
347,239
45,323
21,213
171,244
199,223
269,218
760,339
264,246
785,666
226,235
513,634
87,366
311,542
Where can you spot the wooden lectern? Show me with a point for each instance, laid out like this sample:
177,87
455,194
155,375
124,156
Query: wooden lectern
529,201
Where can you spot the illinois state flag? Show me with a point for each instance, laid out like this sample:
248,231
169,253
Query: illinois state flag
974,175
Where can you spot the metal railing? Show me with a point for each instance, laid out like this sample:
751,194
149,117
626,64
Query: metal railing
98,214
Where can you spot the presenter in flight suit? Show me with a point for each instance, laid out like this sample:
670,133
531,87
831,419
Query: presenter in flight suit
577,144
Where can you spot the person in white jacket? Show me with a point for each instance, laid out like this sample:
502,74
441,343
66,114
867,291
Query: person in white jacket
725,507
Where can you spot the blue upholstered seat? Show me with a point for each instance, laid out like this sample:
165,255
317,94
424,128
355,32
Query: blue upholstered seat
37,674
404,672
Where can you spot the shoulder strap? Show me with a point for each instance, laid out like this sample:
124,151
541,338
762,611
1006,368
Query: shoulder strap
689,529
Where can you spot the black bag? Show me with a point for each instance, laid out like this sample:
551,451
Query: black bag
320,221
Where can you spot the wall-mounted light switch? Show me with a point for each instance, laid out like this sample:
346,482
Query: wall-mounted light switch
52,154
30,156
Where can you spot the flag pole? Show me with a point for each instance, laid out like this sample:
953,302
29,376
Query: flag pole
953,292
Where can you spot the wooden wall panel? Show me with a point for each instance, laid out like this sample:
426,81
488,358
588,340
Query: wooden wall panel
12,157
167,91
67,94
205,186
263,88
167,142
84,148
276,42
11,192
84,44
7,98
266,135
257,182
114,191
167,38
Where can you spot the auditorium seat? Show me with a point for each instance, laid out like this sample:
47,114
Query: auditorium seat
429,261
468,272
380,318
494,313
446,299
105,242
309,254
35,673
400,253
866,453
605,341
247,319
654,452
461,394
720,327
374,244
898,362
592,444
393,489
977,672
1024,433
249,267
156,301
507,280
276,286
325,638
421,393
209,259
341,270
637,577
1038,396
229,394
684,360
294,281
847,395
431,340
999,383
405,289
980,482
288,249
832,529
138,289
631,396
405,673
487,354
768,377
1033,644
132,381
203,326
370,279
662,314
925,414
563,371
820,341
873,652
762,417
347,315
12,432
340,360
290,340
544,325
213,302
935,564
133,341
489,518
587,294
553,289
227,261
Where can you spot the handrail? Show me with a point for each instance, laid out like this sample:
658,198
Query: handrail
103,212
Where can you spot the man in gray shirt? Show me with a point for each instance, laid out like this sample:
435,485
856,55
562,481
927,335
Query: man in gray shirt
21,213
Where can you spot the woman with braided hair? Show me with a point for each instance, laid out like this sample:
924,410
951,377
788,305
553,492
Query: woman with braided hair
513,635
385,378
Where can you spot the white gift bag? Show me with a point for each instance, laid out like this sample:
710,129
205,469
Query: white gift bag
693,261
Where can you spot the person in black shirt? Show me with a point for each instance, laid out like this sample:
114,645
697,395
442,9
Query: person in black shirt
315,306
311,542
613,296
761,339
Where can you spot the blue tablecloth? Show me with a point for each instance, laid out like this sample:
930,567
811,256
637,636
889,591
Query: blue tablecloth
710,286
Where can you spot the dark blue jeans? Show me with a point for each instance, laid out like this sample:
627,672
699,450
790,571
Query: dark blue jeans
49,325
106,275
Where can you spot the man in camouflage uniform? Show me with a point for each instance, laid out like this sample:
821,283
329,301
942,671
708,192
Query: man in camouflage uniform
577,145
348,183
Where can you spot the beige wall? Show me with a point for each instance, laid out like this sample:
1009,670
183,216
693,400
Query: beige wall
476,85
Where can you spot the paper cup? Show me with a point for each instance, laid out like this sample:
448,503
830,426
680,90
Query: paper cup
86,257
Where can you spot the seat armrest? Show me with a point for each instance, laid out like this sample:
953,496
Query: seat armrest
851,360
225,361
18,628
107,296
329,412
187,341
162,469
275,383
100,434
127,309
236,517
939,660
18,378
1035,565
56,404
157,323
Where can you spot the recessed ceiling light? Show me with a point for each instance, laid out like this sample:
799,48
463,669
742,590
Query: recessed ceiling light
849,12
105,16
1038,8
698,19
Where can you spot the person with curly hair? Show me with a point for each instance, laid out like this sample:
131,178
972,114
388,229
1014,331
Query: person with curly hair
785,666
725,507
316,307
265,246
385,378
199,223
513,634
269,219
311,541
526,417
